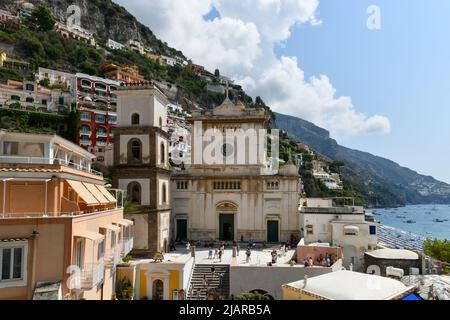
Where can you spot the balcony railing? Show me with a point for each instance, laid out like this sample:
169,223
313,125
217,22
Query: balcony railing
101,143
86,133
113,259
102,134
38,160
127,246
86,143
92,275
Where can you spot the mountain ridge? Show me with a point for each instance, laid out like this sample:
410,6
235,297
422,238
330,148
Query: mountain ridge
382,182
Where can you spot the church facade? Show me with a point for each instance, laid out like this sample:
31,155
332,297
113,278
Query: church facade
238,197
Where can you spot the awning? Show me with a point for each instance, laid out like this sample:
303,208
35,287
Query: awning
83,192
111,227
106,193
97,194
124,222
96,237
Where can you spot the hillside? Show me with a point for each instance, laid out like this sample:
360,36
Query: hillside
381,181
104,18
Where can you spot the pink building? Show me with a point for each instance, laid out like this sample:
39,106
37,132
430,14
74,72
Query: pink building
61,230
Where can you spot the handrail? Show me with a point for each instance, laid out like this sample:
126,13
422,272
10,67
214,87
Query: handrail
41,160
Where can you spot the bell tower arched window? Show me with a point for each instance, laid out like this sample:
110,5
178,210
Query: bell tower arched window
134,192
135,119
163,154
164,193
134,151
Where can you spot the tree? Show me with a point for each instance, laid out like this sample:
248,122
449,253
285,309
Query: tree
438,249
43,18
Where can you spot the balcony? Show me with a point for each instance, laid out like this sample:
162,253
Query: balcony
85,133
48,161
113,259
86,143
127,246
102,134
91,275
101,143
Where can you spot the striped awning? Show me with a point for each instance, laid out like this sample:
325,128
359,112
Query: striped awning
83,192
96,193
106,193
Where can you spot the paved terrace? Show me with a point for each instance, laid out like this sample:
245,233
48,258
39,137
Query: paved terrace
259,257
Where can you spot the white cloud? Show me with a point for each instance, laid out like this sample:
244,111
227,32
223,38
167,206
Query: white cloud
241,44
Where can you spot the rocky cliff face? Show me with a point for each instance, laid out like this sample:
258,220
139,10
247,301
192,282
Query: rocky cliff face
104,18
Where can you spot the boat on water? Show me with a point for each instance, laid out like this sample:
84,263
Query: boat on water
439,220
428,212
401,217
410,221
376,214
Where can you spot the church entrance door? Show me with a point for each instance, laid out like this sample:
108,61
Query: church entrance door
272,231
226,227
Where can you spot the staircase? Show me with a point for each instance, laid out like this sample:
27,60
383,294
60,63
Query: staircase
198,291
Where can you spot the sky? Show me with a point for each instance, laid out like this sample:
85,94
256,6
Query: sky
382,90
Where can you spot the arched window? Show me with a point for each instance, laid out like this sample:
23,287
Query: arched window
135,119
164,193
163,154
134,151
158,290
134,192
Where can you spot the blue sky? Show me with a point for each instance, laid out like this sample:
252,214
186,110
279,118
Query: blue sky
398,78
401,71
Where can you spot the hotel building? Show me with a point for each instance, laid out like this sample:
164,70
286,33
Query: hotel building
60,228
97,101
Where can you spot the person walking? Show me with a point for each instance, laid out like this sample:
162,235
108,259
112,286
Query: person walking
248,254
210,253
216,253
220,255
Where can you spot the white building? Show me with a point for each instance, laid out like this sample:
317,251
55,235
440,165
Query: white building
346,285
114,45
55,77
169,61
30,96
136,46
345,227
234,199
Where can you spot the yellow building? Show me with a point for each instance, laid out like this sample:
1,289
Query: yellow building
155,58
159,280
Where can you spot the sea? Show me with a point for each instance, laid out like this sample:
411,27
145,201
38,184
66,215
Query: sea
424,217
